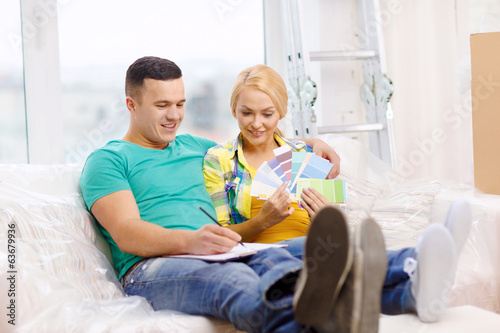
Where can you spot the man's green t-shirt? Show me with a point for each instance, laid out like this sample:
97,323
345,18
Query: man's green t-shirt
167,184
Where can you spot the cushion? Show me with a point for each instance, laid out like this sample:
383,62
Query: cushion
64,280
402,212
56,245
401,207
57,257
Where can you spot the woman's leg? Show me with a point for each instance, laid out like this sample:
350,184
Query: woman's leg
295,246
396,295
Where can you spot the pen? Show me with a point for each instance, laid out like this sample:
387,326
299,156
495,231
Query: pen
204,211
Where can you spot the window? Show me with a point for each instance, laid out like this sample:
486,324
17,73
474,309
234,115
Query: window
13,146
211,41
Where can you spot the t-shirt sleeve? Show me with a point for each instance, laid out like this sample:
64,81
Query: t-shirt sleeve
104,173
205,143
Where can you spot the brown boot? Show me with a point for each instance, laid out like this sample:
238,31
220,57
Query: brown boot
327,261
357,309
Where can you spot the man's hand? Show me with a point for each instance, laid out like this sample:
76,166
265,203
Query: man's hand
322,149
212,239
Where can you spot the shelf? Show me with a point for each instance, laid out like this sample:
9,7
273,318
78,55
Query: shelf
351,128
342,55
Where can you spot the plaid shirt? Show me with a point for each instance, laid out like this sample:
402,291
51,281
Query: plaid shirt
228,179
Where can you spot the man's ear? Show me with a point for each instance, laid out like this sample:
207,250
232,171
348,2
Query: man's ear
130,104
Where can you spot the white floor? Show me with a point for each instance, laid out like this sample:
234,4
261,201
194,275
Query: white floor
461,319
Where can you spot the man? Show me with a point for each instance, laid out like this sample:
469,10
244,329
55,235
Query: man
146,189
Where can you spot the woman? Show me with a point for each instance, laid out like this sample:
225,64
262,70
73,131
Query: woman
258,101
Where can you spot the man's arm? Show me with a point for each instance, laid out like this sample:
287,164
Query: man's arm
119,215
322,149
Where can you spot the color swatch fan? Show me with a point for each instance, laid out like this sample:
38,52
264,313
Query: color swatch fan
300,170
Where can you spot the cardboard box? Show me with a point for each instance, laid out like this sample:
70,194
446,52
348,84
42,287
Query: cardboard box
485,99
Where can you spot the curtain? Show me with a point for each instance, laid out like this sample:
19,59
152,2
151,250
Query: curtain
428,60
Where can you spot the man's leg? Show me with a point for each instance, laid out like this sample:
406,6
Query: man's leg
229,290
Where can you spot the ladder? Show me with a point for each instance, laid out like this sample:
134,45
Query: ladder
302,91
375,91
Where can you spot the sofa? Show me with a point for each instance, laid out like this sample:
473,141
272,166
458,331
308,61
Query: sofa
56,272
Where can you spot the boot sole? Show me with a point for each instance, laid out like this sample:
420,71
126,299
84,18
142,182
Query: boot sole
327,261
370,269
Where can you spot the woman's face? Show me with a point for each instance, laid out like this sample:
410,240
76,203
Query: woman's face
257,117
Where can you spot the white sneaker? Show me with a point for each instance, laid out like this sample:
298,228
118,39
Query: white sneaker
458,222
433,272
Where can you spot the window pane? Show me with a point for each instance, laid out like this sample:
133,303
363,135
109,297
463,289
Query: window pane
13,147
212,41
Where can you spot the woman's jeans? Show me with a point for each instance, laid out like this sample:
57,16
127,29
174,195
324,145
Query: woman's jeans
254,294
397,297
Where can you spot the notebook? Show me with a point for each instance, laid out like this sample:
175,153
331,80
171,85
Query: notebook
236,252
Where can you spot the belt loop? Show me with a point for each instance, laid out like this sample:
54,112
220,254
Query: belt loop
130,270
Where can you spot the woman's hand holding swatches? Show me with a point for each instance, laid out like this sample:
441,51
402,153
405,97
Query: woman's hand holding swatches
313,201
277,208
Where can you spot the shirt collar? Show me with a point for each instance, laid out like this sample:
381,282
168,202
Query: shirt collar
296,145
236,144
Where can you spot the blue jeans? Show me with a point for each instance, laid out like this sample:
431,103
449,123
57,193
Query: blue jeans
396,293
295,246
254,294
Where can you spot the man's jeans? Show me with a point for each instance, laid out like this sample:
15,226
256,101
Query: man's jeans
254,294
396,294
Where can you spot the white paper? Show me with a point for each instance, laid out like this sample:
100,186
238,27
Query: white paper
236,252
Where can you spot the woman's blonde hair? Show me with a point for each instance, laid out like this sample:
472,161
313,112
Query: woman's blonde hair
265,79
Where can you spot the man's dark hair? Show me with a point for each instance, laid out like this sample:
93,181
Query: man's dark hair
149,68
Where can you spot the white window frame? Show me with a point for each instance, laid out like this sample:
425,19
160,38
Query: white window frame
42,81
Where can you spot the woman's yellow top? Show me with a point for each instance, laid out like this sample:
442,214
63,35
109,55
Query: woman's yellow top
296,225
228,179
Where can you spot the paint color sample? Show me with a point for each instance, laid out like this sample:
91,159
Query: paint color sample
284,157
276,166
297,161
305,170
266,175
332,189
